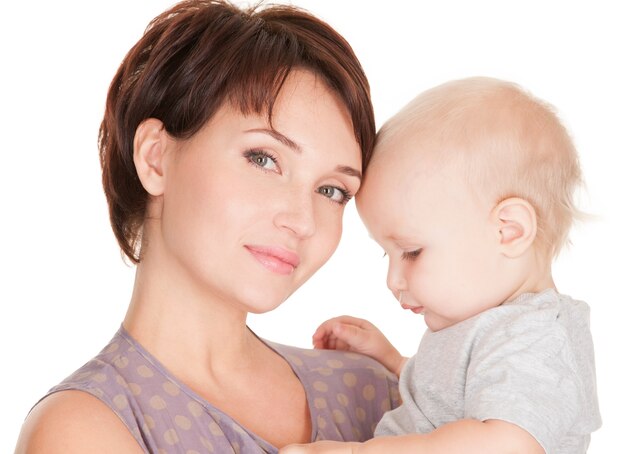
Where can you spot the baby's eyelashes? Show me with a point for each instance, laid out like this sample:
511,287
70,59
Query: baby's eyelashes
411,255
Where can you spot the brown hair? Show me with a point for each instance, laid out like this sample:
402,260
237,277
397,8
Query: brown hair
195,57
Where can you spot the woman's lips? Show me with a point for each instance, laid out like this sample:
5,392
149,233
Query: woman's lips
275,259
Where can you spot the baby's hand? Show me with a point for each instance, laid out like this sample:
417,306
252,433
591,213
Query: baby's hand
320,447
357,335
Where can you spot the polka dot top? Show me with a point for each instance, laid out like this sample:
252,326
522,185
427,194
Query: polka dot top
347,395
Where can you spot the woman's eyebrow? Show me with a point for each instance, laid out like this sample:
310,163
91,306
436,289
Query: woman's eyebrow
349,171
295,147
278,136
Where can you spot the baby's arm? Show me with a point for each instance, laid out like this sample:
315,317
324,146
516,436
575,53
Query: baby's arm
358,335
467,436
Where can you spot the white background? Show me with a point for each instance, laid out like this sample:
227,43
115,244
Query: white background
64,288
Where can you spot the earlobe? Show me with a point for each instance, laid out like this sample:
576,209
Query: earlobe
149,148
516,223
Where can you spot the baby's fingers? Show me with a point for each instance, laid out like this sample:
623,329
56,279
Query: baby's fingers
327,328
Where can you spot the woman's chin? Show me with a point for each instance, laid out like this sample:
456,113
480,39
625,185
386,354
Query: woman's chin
261,304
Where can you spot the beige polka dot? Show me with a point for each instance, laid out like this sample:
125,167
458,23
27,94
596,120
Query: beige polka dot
358,435
120,401
149,420
121,362
353,355
349,379
339,417
183,422
325,371
120,381
144,371
171,388
157,403
369,392
343,399
131,349
136,432
216,416
135,389
334,363
311,353
112,348
207,444
295,360
320,403
171,437
235,447
321,422
161,451
194,408
81,375
380,374
385,405
97,392
239,429
360,414
320,386
215,429
100,378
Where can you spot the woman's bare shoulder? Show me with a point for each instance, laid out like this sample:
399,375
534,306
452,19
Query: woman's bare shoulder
74,422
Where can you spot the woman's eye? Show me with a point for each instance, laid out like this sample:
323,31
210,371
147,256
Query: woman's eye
335,194
262,159
411,255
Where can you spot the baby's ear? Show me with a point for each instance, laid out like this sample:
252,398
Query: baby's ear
516,223
149,144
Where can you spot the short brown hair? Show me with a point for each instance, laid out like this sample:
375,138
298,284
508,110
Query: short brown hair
195,57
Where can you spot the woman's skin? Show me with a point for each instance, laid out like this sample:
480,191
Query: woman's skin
240,216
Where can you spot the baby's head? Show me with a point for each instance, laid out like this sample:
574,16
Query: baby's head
470,193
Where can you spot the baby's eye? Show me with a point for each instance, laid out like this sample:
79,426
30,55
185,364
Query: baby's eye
335,194
262,159
411,255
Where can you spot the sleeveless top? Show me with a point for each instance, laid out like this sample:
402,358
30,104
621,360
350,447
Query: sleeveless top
347,395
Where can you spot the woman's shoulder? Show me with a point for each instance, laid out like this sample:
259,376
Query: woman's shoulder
74,422
77,414
330,362
347,392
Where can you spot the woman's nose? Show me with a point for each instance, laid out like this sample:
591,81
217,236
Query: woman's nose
297,214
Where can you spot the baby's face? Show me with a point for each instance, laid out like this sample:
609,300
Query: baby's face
439,236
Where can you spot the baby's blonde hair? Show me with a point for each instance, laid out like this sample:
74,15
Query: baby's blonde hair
511,144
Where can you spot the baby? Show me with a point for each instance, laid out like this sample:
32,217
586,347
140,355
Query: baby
470,194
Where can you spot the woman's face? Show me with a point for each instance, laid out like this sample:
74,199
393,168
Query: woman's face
250,211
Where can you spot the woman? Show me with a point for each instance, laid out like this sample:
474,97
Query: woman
231,142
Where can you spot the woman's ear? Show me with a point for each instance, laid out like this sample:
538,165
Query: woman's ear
516,223
149,145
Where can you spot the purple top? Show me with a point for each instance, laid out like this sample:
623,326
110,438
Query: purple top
347,395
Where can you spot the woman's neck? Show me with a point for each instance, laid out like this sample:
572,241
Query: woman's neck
190,331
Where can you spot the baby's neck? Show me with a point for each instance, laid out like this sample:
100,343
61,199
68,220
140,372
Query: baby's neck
536,279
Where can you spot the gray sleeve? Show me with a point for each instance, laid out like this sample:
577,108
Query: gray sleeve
524,372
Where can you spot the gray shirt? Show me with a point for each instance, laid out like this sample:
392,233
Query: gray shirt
529,362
